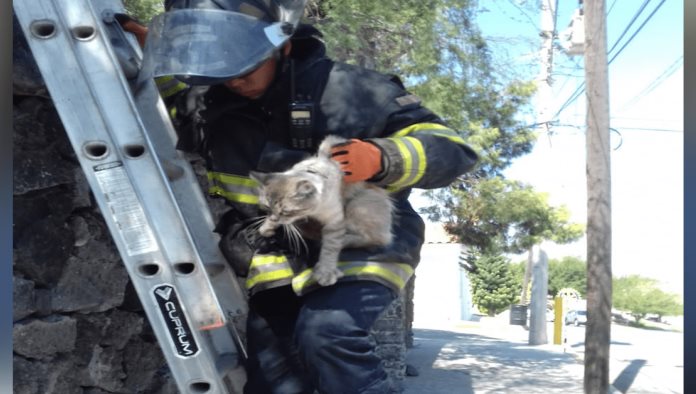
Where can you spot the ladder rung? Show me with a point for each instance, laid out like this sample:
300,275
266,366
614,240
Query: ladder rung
147,192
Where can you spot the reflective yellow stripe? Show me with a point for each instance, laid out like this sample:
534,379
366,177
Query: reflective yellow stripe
378,271
168,85
232,179
236,197
394,273
435,129
260,260
272,276
419,127
268,268
413,155
233,187
452,137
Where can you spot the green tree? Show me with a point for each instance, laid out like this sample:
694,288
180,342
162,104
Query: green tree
440,54
143,10
639,296
435,46
567,272
501,213
665,304
517,270
493,284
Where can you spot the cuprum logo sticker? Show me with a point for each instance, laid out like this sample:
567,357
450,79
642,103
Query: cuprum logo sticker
175,320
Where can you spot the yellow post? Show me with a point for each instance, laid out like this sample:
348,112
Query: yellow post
558,321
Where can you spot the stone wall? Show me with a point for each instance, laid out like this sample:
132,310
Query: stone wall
78,324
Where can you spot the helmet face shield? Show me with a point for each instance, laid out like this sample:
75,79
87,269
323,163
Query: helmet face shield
206,46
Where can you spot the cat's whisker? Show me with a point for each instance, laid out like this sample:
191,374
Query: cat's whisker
257,222
295,239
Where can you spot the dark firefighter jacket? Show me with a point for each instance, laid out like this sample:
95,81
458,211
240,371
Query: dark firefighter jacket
237,135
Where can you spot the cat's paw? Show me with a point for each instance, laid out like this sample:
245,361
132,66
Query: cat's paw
326,276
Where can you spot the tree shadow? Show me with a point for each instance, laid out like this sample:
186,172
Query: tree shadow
625,379
450,362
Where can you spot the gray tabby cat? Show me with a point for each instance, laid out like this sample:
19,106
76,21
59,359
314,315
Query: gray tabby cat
350,214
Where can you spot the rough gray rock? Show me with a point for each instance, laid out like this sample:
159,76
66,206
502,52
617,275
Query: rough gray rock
44,338
26,78
38,377
104,370
23,298
90,285
388,332
65,261
141,361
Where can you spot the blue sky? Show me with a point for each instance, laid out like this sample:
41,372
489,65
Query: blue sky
646,109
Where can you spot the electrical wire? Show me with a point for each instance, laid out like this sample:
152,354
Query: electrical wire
581,87
653,129
637,31
635,17
656,82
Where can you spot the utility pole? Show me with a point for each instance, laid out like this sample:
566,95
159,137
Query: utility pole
544,100
540,288
598,331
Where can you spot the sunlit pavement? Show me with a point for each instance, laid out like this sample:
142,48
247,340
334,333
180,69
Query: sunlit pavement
642,361
488,357
492,356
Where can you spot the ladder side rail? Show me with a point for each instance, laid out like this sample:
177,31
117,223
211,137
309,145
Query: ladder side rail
191,201
145,172
88,130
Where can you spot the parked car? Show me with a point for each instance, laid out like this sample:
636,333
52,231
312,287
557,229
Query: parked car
620,318
576,317
653,317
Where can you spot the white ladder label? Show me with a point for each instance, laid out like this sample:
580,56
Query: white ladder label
125,208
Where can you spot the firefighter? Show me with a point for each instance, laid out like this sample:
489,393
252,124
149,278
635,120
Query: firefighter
251,88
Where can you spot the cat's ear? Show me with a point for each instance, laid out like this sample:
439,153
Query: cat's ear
261,177
305,188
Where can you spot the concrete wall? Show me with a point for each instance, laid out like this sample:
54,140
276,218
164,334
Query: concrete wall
442,288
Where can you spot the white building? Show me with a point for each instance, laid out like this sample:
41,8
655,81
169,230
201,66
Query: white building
442,292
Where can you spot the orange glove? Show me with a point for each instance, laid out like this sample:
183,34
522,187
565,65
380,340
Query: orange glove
131,25
359,160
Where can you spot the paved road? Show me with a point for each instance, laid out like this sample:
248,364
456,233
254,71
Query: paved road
492,356
488,358
642,361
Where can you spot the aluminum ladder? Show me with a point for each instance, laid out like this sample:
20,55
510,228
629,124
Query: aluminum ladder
146,190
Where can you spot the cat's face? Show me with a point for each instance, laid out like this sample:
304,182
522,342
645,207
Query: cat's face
286,198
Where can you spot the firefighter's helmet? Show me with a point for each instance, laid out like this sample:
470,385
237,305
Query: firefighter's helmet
204,42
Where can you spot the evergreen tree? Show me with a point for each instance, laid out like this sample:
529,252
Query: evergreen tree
493,284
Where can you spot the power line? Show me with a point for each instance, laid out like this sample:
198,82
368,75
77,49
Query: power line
635,16
581,87
652,129
656,82
637,31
